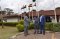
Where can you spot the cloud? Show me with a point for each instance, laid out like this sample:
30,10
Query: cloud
17,4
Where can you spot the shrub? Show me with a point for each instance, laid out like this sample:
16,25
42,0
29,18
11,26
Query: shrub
31,26
56,27
9,23
21,22
20,27
49,26
0,23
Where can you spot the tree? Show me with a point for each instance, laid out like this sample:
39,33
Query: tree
8,11
1,17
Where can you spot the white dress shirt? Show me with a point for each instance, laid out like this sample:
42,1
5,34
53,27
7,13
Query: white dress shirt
40,18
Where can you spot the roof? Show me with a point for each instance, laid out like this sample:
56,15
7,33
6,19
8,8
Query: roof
58,8
2,11
47,12
35,13
11,16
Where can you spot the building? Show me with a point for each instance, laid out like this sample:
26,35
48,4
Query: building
12,18
50,16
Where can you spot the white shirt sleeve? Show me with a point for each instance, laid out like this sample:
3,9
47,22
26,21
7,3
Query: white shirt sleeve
40,18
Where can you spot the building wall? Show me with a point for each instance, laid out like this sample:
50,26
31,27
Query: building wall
12,20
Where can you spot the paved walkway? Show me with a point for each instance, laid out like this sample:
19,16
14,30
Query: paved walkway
48,35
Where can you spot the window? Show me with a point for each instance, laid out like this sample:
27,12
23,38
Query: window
48,19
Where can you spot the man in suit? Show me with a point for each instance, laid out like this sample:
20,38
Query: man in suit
26,24
42,24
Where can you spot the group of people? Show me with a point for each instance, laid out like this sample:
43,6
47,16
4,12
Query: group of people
39,24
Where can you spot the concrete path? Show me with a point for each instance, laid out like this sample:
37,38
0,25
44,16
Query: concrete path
57,35
48,35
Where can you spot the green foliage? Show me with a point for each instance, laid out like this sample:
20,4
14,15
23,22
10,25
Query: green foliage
7,32
0,23
49,26
21,22
31,26
9,23
20,27
56,27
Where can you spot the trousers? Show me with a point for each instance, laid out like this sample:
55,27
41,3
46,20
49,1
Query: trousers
25,30
42,29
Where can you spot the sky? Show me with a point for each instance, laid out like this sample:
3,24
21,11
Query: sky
17,4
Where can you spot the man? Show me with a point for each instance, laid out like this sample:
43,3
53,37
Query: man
36,25
26,24
42,24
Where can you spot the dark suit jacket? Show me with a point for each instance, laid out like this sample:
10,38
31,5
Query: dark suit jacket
42,20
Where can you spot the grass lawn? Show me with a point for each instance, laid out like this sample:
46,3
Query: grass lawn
7,32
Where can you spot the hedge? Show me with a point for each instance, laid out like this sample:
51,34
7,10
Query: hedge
21,22
48,26
9,23
0,23
55,27
20,27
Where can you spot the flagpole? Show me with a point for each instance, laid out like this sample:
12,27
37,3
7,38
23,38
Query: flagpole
36,8
55,12
18,11
21,15
32,14
33,5
29,13
30,5
23,8
37,11
32,11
